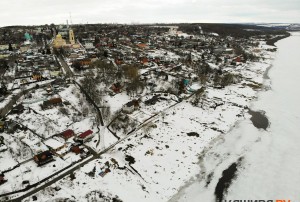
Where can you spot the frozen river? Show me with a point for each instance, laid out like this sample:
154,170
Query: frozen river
265,163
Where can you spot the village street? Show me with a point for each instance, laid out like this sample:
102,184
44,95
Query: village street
65,66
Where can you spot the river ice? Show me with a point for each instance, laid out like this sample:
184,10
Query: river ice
271,159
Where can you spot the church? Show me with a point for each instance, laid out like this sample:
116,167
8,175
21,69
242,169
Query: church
59,42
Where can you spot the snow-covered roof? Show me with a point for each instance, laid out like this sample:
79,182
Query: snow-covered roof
53,143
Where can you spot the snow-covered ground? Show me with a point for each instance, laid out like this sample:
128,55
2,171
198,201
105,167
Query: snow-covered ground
154,162
270,168
166,151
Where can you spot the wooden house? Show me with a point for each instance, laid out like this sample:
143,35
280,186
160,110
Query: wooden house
52,102
85,62
2,179
131,106
17,109
43,158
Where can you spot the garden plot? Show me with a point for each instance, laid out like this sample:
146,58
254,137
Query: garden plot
57,118
30,172
45,125
157,102
140,116
18,149
7,161
33,142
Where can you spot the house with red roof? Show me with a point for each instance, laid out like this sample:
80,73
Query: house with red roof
85,136
67,134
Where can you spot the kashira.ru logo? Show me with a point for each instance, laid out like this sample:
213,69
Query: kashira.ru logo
277,200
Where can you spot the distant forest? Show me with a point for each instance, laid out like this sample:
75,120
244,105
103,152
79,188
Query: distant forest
234,30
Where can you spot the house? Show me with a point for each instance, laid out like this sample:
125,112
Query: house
2,179
116,87
119,61
238,59
85,62
185,82
85,136
37,76
152,101
52,102
11,126
89,45
3,147
17,109
24,48
142,45
75,149
102,173
144,61
67,134
229,51
3,89
54,144
43,158
2,126
129,107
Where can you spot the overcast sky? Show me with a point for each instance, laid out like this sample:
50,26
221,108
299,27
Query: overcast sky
28,12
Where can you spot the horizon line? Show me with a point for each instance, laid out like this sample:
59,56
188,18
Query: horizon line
153,23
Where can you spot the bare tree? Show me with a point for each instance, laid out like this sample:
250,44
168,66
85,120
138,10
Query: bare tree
90,86
131,72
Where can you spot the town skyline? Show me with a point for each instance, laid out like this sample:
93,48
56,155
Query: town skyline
35,12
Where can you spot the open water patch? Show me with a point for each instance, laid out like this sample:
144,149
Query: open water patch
225,181
259,119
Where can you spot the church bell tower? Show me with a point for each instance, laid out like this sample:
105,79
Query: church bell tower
71,37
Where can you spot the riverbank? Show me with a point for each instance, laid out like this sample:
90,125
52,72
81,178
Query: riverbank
271,42
261,174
